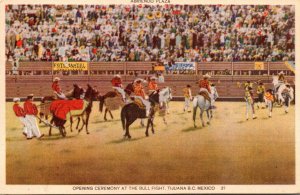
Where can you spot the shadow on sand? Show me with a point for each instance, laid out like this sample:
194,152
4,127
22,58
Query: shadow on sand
191,129
124,140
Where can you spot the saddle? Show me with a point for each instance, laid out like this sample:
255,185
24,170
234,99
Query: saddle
205,95
139,103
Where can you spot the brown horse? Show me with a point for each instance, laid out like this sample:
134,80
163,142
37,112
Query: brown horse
113,101
90,95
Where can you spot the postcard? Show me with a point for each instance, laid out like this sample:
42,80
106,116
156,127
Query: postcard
149,96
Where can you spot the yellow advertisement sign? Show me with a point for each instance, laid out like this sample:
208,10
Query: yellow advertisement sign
70,66
259,66
159,68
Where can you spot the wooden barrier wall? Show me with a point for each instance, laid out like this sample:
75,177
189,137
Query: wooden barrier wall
36,77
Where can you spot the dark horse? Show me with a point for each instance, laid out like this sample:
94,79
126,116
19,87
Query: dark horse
90,95
130,112
112,94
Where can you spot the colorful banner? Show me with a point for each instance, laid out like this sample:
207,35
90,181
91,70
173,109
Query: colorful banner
259,66
65,66
159,68
181,66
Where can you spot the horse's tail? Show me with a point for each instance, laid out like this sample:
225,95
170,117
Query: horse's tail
123,116
101,98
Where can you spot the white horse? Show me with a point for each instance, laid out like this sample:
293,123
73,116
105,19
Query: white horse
288,96
214,95
204,105
165,96
278,89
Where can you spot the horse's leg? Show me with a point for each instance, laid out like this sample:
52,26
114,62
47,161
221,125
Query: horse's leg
78,121
165,121
142,123
128,123
87,122
41,116
50,129
71,124
64,131
83,122
201,116
152,125
148,123
105,114
194,116
208,116
112,117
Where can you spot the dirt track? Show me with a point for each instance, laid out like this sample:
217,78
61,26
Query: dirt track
229,151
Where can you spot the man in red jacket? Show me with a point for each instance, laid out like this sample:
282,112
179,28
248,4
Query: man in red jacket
31,111
20,113
117,85
204,86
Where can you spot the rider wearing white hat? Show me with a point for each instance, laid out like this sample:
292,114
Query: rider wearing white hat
139,93
205,87
56,89
152,85
117,85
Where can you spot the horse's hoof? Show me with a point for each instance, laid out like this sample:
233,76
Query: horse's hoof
87,132
195,126
105,119
147,135
208,123
129,137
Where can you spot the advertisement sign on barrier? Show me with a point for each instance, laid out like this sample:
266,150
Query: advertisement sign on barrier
181,66
65,66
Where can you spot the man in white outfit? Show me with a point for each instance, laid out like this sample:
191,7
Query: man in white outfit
20,113
31,111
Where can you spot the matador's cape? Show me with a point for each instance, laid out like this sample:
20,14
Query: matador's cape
63,108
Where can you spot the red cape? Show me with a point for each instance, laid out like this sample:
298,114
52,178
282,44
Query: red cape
60,108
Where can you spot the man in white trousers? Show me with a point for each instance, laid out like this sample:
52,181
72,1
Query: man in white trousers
31,111
20,113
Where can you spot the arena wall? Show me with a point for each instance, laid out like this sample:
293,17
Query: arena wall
36,77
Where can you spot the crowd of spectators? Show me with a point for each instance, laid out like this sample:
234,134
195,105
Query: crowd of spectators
150,32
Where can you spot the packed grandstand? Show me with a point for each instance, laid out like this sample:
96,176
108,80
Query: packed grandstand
150,32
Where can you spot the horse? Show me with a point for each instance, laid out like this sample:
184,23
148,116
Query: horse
204,105
288,96
115,104
132,111
165,96
278,89
83,114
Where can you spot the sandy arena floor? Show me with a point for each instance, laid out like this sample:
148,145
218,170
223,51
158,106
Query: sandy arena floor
229,151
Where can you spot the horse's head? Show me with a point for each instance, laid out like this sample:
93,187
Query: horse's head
154,97
129,88
91,93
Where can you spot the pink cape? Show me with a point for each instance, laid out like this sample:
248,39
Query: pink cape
60,108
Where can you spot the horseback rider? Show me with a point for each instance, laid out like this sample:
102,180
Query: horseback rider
287,96
57,90
117,85
281,80
152,85
139,93
205,87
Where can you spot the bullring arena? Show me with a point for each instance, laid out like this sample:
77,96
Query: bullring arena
231,43
229,151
